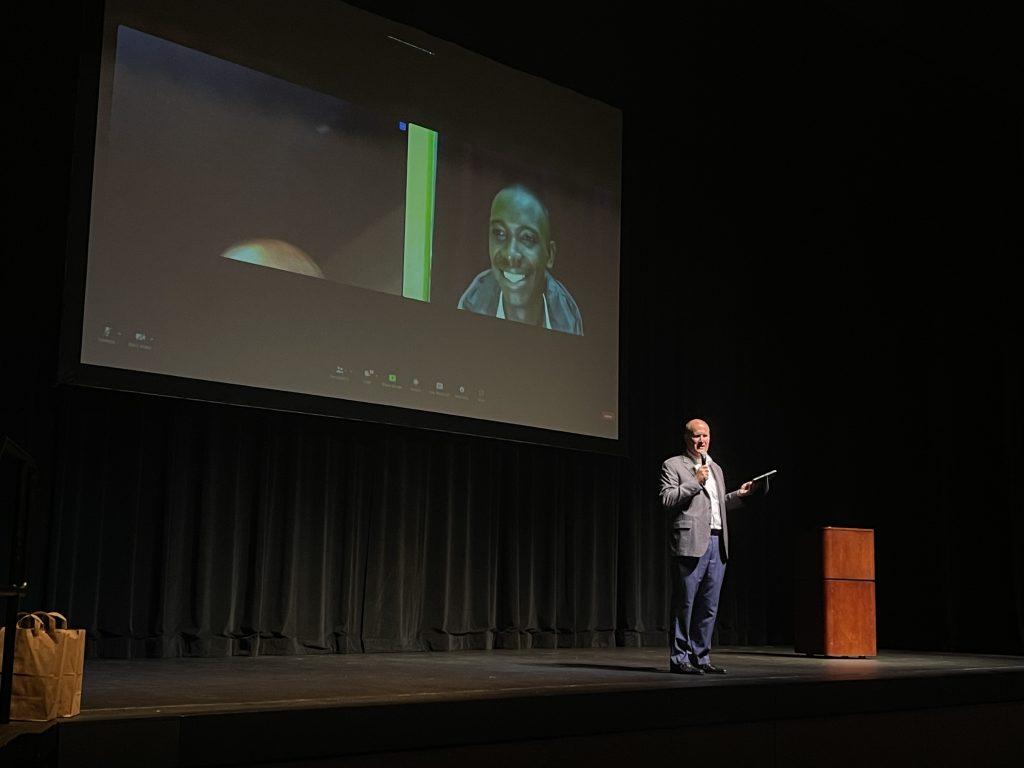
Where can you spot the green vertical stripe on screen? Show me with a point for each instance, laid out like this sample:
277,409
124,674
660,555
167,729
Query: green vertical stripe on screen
420,183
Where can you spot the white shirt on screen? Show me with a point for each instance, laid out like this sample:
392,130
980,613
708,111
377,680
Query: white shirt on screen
501,310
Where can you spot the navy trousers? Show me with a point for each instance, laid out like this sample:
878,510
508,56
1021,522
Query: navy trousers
696,585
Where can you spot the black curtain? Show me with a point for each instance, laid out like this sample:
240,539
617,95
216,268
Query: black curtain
189,528
820,221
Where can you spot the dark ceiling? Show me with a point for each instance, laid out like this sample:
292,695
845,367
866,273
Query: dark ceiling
615,52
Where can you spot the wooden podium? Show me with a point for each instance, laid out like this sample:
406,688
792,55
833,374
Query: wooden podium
835,592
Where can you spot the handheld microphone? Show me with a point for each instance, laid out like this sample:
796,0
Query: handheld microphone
703,458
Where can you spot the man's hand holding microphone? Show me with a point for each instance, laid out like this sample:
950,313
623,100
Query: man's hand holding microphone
703,470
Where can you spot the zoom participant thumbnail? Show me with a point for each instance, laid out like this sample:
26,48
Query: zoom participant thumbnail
519,285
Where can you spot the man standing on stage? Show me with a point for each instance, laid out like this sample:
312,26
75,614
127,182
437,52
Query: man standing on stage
693,493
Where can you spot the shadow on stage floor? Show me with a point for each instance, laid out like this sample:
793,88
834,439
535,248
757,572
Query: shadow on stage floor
538,707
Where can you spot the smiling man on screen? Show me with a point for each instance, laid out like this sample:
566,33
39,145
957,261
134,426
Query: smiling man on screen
519,285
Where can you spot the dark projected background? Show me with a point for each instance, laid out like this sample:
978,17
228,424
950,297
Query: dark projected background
315,216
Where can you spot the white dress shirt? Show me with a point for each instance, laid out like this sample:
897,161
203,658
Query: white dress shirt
501,309
712,488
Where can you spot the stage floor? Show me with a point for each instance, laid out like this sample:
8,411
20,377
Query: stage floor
185,686
773,707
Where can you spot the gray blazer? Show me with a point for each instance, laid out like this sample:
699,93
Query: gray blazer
689,507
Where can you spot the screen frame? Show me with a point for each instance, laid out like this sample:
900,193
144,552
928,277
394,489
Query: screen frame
72,372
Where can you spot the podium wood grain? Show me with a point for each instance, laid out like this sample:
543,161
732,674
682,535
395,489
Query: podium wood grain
835,593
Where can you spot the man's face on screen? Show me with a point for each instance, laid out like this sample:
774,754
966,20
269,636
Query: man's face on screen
520,246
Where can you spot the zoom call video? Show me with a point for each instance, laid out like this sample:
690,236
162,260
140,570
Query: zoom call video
251,227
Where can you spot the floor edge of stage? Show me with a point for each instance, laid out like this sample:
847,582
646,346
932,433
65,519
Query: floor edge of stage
770,719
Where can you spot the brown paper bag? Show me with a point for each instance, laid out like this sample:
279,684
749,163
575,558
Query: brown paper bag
69,695
38,661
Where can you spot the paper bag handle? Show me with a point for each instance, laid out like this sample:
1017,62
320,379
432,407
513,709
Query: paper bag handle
36,619
51,619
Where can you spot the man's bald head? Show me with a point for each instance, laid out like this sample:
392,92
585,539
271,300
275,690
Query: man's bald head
697,437
696,425
523,199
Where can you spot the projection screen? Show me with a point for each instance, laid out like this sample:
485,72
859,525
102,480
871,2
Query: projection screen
303,198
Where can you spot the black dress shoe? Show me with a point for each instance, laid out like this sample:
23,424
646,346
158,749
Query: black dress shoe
684,669
710,669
